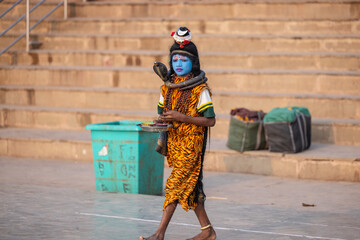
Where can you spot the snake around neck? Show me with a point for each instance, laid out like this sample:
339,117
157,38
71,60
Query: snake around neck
161,70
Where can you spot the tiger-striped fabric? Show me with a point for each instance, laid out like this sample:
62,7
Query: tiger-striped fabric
185,143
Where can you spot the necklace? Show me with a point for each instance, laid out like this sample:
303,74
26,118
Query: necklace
182,103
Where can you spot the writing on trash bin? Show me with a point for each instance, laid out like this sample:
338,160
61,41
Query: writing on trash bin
104,188
128,170
117,167
101,168
126,188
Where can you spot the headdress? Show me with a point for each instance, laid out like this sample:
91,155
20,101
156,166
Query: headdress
182,36
183,46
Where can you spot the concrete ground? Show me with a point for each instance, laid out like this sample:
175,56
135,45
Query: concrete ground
49,199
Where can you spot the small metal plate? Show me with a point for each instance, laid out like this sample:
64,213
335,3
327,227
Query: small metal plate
155,128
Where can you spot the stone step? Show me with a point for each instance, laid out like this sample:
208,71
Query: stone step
47,1
320,105
229,43
170,9
334,131
209,60
39,12
244,80
321,161
197,26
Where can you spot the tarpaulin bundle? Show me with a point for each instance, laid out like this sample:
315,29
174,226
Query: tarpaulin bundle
288,129
246,130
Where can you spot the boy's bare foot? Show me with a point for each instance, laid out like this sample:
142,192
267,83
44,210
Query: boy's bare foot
153,237
206,234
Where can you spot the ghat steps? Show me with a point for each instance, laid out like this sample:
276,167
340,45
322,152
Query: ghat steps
210,26
328,131
320,105
283,9
218,42
322,161
245,80
259,54
330,63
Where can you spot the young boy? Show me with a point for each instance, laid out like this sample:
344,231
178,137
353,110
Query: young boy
191,112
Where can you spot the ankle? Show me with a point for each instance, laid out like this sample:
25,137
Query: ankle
159,235
207,227
206,232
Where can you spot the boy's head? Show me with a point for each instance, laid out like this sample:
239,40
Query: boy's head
181,64
184,50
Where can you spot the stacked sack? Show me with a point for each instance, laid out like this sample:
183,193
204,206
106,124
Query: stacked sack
288,129
285,129
246,130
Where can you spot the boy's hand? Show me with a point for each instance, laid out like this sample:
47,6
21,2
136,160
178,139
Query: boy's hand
170,116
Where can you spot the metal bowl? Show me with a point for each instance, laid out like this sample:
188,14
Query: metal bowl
155,127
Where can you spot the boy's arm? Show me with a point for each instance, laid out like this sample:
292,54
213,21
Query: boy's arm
170,116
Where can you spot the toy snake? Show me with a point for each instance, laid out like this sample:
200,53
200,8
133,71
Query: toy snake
161,70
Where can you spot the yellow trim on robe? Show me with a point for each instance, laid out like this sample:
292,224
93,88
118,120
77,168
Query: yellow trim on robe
205,106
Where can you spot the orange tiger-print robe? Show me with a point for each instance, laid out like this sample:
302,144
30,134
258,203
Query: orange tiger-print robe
184,153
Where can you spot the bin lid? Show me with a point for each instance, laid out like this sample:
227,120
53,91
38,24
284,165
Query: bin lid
116,126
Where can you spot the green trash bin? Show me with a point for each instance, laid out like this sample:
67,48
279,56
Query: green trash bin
125,159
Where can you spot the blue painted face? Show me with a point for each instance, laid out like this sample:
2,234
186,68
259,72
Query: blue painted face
182,65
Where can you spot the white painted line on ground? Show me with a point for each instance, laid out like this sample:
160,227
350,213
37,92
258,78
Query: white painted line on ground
218,198
217,228
317,224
